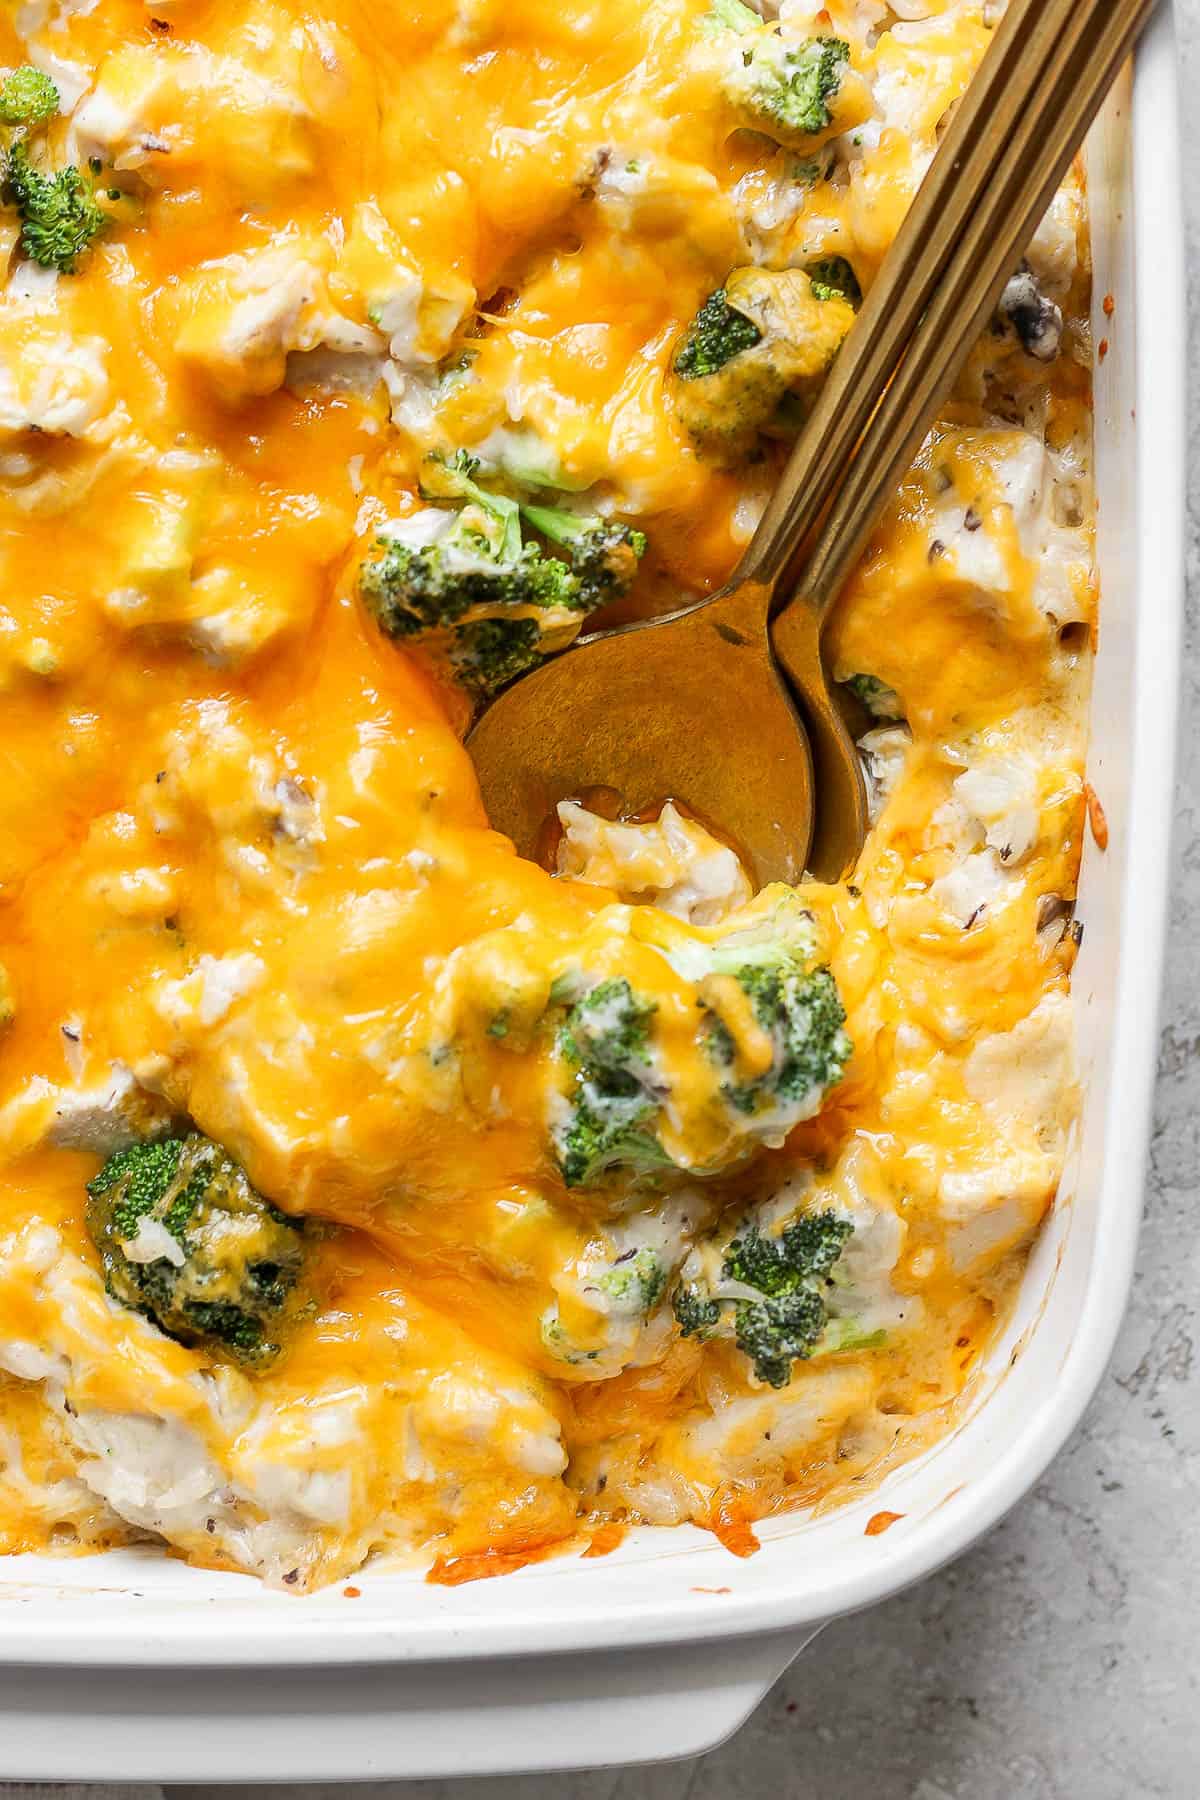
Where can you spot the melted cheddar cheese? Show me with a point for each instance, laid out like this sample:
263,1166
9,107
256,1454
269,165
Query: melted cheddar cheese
246,880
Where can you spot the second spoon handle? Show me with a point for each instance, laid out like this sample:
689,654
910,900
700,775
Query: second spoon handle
913,266
1039,145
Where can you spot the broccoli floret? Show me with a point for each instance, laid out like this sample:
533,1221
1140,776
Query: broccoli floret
779,1062
1026,310
698,1315
792,1273
717,333
881,701
610,1114
27,97
604,554
832,278
768,1017
635,1282
730,15
794,86
185,1239
612,1302
808,170
604,1131
763,339
495,603
802,1013
778,1332
59,213
785,89
807,1247
479,561
608,1030
412,591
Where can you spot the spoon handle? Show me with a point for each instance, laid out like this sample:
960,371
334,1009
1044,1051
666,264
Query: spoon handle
1042,125
1003,121
900,292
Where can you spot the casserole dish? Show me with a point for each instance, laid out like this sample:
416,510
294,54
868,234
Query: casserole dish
662,1648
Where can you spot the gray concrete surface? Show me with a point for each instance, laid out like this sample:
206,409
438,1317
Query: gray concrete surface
1057,1661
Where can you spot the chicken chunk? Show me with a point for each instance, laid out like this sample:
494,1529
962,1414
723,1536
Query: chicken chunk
241,318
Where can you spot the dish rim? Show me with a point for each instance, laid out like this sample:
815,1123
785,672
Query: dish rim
306,1631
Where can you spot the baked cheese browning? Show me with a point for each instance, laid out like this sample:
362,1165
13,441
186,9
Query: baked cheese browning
367,1189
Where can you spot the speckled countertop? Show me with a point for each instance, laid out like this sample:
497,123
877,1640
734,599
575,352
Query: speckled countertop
1059,1660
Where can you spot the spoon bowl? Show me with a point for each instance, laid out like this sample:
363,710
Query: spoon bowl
693,706
689,707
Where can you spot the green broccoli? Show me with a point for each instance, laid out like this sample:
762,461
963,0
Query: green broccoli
59,213
185,1239
881,701
790,1273
27,97
1028,312
696,1312
789,88
717,333
783,89
479,560
620,1296
604,554
635,1282
806,171
801,1011
606,1129
769,1019
833,278
610,1114
494,601
608,1029
800,1048
489,653
764,339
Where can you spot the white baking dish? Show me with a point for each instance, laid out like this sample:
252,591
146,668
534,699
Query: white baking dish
131,1666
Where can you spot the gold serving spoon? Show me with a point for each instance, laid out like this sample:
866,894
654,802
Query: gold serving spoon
692,706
